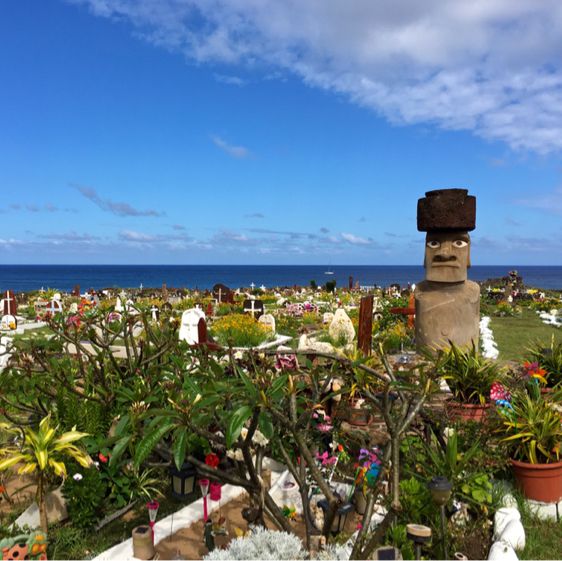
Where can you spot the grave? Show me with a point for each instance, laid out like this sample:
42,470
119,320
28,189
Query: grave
189,325
223,294
155,312
254,307
55,306
365,331
9,321
268,321
76,291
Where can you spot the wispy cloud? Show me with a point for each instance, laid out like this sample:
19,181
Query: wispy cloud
107,205
69,237
230,80
35,208
356,240
230,149
549,202
492,67
255,215
178,227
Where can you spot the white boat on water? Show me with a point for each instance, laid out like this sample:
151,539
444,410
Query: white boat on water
328,272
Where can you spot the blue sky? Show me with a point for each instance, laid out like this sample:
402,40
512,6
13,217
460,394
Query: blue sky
276,132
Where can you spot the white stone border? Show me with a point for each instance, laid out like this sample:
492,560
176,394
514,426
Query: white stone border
551,318
509,534
279,340
489,346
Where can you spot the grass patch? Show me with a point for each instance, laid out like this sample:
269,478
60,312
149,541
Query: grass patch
514,334
543,538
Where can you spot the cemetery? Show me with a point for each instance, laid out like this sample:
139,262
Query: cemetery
314,422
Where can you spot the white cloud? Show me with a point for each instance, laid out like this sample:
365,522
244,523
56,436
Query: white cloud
356,240
134,236
230,80
489,66
230,149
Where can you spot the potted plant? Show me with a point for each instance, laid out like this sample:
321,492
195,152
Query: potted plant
470,377
533,429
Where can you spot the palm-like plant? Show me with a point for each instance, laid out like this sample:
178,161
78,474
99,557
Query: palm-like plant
468,374
43,452
534,427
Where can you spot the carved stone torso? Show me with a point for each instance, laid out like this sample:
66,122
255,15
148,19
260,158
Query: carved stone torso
447,312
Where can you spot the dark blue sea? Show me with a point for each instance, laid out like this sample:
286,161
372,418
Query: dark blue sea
64,277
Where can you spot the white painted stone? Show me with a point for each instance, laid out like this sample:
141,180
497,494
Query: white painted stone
341,327
544,511
189,322
119,305
327,317
306,344
502,551
268,321
502,518
514,535
73,308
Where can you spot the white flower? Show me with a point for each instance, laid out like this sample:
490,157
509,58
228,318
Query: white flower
238,355
77,477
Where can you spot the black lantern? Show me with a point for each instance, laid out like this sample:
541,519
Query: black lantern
182,480
341,515
440,488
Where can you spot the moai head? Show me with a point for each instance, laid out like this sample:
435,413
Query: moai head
447,215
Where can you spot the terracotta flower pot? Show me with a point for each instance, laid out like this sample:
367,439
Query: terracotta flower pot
457,411
540,482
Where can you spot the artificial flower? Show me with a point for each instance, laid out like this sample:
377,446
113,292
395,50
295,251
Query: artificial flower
77,477
103,459
212,460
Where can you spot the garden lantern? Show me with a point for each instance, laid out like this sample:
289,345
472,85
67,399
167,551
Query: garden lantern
152,507
341,515
182,480
440,488
420,535
204,485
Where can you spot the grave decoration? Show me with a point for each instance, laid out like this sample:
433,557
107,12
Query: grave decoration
55,306
254,307
447,304
154,312
189,325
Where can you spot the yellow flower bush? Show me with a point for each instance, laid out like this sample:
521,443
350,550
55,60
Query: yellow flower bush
240,330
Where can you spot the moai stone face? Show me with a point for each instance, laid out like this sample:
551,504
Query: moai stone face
447,256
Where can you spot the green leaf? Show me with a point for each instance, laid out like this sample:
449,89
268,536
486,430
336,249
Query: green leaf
236,423
147,444
180,447
265,425
122,423
119,448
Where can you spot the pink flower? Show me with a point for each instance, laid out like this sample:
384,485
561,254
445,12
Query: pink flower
287,362
326,459
324,427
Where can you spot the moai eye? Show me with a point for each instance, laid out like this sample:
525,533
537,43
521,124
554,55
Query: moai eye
460,243
433,244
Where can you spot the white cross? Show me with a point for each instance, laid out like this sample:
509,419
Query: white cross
220,295
252,286
253,310
154,311
8,300
55,307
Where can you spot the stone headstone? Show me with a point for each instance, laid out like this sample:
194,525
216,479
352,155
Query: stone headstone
341,329
76,290
254,307
73,308
223,294
119,305
164,292
327,317
268,321
189,325
167,307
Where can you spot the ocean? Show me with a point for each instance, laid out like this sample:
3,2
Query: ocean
64,277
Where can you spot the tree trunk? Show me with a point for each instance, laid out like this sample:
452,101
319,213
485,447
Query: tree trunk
41,504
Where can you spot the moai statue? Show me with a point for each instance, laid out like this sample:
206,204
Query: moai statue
447,304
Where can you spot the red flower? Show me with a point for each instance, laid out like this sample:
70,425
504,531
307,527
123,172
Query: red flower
103,459
212,460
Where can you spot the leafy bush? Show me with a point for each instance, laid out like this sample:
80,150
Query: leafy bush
85,492
239,330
